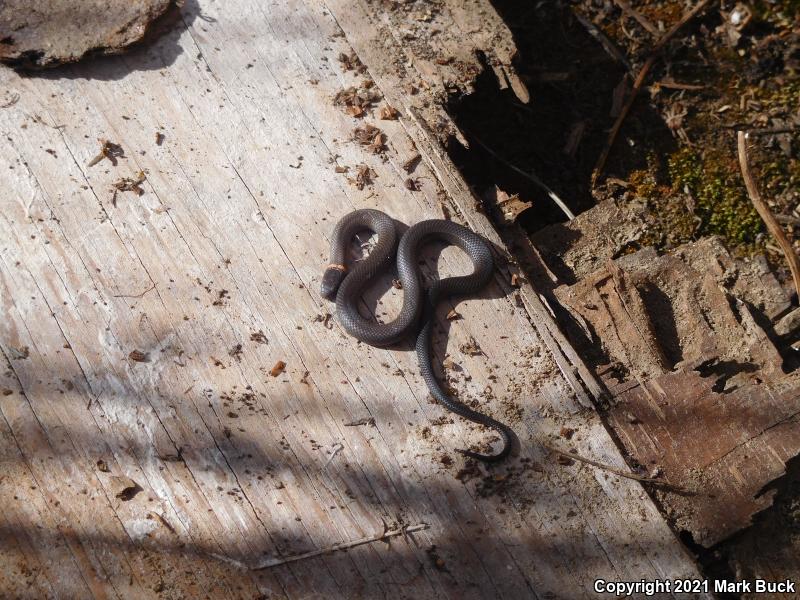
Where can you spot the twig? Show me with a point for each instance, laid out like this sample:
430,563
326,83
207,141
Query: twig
532,176
674,85
605,42
631,12
615,470
637,84
772,131
150,289
274,562
766,214
337,447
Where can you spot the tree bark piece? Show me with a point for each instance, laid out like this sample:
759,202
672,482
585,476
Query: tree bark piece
36,34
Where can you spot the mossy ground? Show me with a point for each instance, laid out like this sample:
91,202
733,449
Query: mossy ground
694,186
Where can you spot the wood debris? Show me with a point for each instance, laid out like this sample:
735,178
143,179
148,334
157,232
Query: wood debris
36,35
371,137
259,337
278,368
139,356
356,101
108,150
471,348
363,178
359,422
351,62
123,487
388,113
129,184
411,163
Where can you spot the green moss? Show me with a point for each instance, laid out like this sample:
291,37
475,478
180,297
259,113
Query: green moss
721,201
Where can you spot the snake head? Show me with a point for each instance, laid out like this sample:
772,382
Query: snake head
331,280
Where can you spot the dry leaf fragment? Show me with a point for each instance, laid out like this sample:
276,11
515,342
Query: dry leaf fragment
278,368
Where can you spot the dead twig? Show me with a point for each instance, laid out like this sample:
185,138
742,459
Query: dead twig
532,176
274,562
766,214
637,16
772,131
604,40
639,82
615,470
674,85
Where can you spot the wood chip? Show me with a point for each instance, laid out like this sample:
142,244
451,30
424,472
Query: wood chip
278,368
139,356
388,113
123,487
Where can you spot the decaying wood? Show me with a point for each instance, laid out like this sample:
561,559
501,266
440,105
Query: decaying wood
765,213
699,394
229,240
36,34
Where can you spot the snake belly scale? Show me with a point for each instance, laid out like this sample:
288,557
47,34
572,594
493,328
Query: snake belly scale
417,315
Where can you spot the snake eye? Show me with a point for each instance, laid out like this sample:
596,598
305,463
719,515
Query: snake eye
331,280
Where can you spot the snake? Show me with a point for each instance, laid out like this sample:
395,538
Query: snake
345,285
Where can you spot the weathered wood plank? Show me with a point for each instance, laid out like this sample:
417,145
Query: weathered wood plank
211,277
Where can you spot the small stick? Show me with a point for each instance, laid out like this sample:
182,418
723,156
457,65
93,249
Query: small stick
637,85
679,86
337,447
631,12
614,470
564,208
274,562
772,131
766,214
606,43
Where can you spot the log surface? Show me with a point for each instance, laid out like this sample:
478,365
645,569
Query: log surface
150,444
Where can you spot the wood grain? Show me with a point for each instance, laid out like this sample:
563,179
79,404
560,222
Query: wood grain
211,277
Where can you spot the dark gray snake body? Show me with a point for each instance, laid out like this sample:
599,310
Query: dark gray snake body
346,286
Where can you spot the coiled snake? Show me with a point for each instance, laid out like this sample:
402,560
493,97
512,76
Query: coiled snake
346,285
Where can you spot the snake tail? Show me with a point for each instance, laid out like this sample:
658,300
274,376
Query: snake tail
424,354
